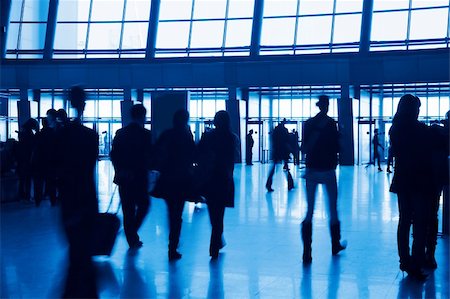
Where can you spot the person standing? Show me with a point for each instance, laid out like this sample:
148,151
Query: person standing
412,182
216,155
249,142
280,153
25,149
131,157
76,156
175,150
295,147
321,146
376,145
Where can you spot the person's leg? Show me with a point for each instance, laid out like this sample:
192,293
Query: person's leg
38,184
270,178
419,229
216,214
175,209
129,216
432,231
403,229
311,187
142,206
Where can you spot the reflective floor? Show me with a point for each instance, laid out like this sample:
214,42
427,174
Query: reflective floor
262,258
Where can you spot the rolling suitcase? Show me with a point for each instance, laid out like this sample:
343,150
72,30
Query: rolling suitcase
106,228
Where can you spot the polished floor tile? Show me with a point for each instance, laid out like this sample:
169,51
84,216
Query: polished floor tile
262,258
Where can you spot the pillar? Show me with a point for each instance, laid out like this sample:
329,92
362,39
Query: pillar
345,122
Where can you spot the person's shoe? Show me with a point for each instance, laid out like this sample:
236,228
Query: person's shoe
388,171
269,189
174,255
430,263
338,247
136,245
379,169
214,254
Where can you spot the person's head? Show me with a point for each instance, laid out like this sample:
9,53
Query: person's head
31,124
77,98
61,116
408,107
181,118
51,117
376,131
323,103
251,131
138,113
222,120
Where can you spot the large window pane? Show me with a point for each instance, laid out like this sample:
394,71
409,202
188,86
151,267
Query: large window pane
280,8
271,29
207,34
175,9
396,22
238,33
13,33
32,36
209,9
172,35
349,6
308,7
70,36
240,8
104,36
429,23
137,10
428,3
389,4
134,36
314,30
35,10
16,10
107,10
72,10
347,28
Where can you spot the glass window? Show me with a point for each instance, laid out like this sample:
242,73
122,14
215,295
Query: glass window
46,103
429,23
271,28
395,21
347,28
265,107
240,8
349,6
314,30
193,108
70,10
16,10
175,9
280,8
209,9
207,34
104,36
220,105
13,33
428,3
444,105
32,36
137,10
70,36
253,107
297,108
107,10
385,5
433,107
238,33
58,103
134,35
308,7
285,108
209,108
89,110
172,35
105,108
35,11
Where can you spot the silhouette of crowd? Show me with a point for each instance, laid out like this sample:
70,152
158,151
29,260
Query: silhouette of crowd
61,158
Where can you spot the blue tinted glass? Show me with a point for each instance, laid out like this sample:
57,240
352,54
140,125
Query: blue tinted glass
429,23
70,36
107,10
314,30
238,33
135,36
104,36
395,21
72,10
175,9
270,33
32,36
172,35
207,34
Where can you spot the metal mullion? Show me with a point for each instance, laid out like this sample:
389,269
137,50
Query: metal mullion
20,29
225,27
333,18
190,28
448,24
88,29
296,26
123,25
408,28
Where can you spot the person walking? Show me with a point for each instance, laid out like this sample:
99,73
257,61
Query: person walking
376,145
321,146
249,142
216,156
131,157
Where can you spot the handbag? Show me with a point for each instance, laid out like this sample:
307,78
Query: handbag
106,228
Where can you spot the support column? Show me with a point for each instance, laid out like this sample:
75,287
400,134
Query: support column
258,11
345,122
152,29
366,26
232,107
4,22
51,28
381,127
164,106
23,107
125,107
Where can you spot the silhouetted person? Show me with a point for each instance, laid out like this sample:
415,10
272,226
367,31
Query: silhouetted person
375,145
217,149
440,153
77,152
294,146
321,146
25,148
44,160
390,161
61,118
249,142
280,152
175,157
412,181
131,157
